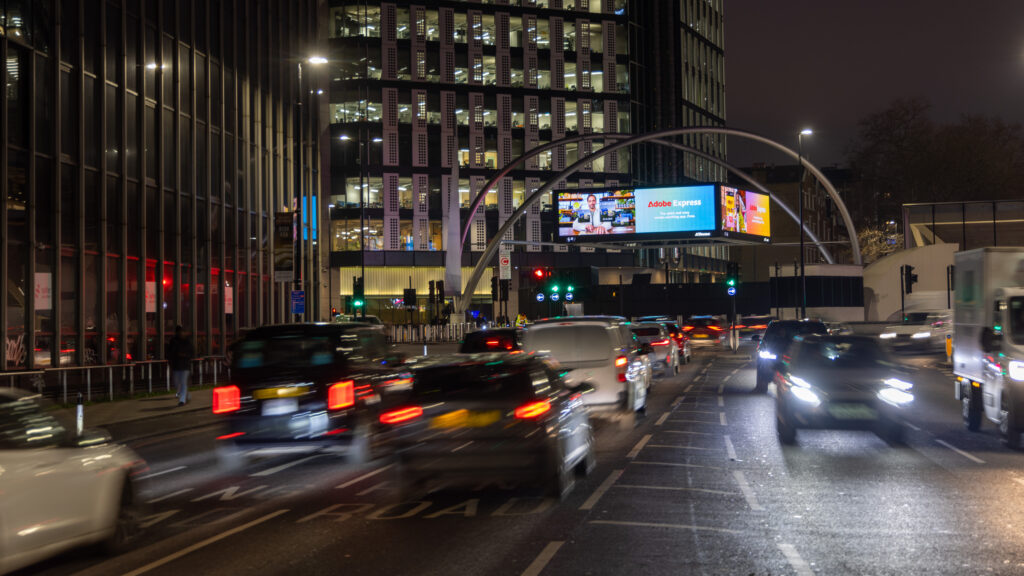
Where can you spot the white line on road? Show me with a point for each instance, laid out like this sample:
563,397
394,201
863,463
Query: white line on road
730,449
285,466
657,525
721,418
970,457
677,401
693,412
676,464
198,545
721,401
681,421
168,496
677,447
748,493
162,472
363,477
687,389
639,446
726,379
721,388
543,558
795,560
688,432
912,427
662,419
676,488
695,380
589,504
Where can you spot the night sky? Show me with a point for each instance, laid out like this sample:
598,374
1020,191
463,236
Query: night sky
824,64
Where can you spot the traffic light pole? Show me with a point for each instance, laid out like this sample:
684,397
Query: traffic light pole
903,292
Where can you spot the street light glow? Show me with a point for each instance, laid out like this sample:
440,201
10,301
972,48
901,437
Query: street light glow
806,132
317,60
345,137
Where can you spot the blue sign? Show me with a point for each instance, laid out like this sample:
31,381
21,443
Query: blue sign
540,296
569,297
554,296
298,301
731,291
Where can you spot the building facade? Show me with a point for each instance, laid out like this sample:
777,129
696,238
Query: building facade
428,101
146,146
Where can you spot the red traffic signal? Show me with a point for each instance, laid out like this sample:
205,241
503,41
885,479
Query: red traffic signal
539,273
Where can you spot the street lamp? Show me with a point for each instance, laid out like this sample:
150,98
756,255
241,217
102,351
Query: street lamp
803,276
300,191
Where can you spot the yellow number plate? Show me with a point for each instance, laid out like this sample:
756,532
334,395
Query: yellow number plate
465,419
284,392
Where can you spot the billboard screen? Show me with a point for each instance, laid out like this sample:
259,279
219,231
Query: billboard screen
745,213
646,212
596,213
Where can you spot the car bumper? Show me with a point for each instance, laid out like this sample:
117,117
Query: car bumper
511,458
302,428
840,415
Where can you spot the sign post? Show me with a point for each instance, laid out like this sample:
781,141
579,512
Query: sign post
298,301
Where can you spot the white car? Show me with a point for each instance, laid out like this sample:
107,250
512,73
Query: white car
924,331
59,490
664,355
601,351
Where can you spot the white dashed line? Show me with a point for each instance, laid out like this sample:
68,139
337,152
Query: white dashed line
589,504
688,432
676,447
363,477
542,559
661,420
657,525
721,401
285,466
162,472
730,449
676,488
970,457
676,464
912,427
677,401
726,379
687,389
639,446
721,418
795,560
168,496
721,388
748,493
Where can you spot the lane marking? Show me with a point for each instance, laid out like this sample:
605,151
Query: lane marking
161,473
970,457
681,421
285,466
361,478
676,464
694,411
676,488
168,496
657,525
677,400
589,504
678,447
639,446
795,560
543,558
199,545
726,379
721,401
687,389
661,420
374,488
912,427
730,449
721,388
695,380
721,418
688,432
748,493
733,373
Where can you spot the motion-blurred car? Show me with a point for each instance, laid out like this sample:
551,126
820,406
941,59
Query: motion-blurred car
681,339
840,382
838,329
924,331
60,490
350,318
752,328
511,418
774,344
704,330
664,353
599,350
304,388
493,340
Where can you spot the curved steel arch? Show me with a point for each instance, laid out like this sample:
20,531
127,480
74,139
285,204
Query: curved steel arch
492,245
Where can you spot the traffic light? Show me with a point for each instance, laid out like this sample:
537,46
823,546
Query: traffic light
539,274
494,289
334,311
732,276
909,278
358,293
504,287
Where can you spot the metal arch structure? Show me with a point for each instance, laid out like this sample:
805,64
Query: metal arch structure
495,242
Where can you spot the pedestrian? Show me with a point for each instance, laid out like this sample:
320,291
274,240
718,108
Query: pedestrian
179,357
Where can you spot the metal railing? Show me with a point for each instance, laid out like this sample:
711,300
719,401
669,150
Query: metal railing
113,381
428,333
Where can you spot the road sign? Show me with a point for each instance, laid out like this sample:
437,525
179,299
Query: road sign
568,297
298,301
540,296
554,296
731,291
504,267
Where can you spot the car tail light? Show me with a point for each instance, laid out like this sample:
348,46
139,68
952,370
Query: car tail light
620,363
401,415
533,410
759,327
664,342
226,399
715,328
687,328
341,395
738,326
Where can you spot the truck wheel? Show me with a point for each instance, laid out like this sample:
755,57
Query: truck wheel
1008,430
970,407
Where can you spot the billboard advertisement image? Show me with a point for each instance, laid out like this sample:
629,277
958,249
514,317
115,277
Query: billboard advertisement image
745,213
677,209
586,213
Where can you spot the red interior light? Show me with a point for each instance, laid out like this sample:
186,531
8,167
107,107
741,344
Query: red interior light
226,399
341,395
533,410
401,415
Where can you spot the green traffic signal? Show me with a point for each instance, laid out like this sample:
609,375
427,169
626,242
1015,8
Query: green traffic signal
554,288
357,303
731,281
568,288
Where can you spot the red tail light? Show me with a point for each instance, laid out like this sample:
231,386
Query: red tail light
620,363
687,328
738,326
401,415
715,328
664,342
533,410
226,399
493,343
341,395
759,327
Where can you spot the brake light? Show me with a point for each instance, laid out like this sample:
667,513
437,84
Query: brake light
533,410
687,328
621,361
341,395
715,328
493,343
738,326
664,342
226,399
401,415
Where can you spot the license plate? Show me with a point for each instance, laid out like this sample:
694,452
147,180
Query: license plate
282,392
280,406
852,412
465,419
698,336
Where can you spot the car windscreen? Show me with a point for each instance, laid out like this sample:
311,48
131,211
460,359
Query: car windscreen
571,342
647,331
824,354
286,351
917,318
497,382
488,341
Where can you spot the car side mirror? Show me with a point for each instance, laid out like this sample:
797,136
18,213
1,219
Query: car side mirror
991,341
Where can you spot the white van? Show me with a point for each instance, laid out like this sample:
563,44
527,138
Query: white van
599,350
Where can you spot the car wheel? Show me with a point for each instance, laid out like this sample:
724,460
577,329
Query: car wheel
127,522
1008,431
785,430
970,407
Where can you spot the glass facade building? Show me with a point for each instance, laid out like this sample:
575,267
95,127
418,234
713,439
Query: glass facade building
146,145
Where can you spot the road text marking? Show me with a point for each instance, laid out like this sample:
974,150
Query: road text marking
639,446
970,457
748,493
795,560
589,504
543,558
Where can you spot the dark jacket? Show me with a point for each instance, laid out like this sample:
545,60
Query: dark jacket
180,353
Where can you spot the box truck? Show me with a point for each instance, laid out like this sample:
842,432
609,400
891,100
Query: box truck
988,339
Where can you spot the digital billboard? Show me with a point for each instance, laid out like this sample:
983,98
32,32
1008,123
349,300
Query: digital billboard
587,213
745,213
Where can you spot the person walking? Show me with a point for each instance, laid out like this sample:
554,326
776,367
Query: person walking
179,357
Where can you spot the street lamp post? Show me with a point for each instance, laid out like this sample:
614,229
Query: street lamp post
803,276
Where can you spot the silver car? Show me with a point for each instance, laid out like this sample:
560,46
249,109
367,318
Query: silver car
664,354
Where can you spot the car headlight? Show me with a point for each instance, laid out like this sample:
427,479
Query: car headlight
922,335
1016,370
895,396
901,384
798,381
765,355
887,335
805,395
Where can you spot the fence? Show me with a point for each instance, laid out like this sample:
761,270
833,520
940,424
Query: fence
112,381
428,333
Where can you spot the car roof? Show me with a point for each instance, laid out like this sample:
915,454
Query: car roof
477,359
612,320
647,325
838,338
